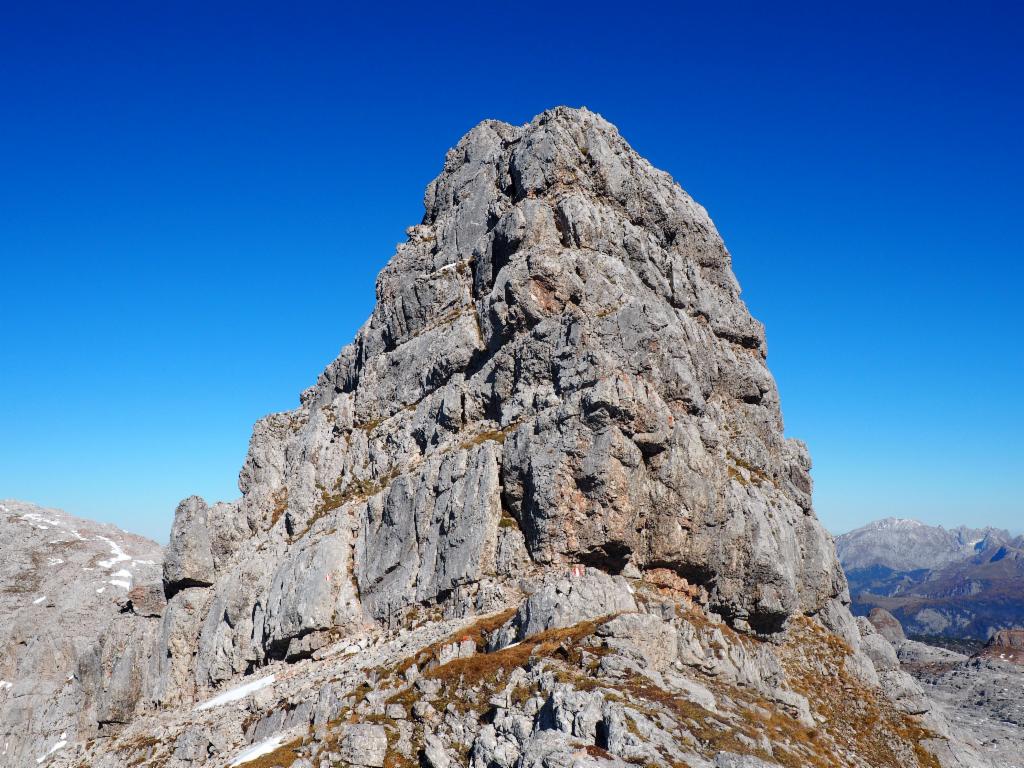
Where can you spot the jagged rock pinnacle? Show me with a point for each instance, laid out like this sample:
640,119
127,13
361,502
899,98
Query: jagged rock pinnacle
558,370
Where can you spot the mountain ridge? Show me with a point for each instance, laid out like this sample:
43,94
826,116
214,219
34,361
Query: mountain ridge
957,583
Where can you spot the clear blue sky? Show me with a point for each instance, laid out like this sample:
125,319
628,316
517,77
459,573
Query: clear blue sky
195,199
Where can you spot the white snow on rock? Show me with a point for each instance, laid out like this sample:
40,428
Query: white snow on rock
5,686
59,745
258,750
38,520
39,600
236,693
115,549
120,583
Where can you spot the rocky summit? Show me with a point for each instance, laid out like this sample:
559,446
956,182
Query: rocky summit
540,512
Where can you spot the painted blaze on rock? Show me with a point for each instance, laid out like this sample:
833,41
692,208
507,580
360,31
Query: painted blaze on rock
559,370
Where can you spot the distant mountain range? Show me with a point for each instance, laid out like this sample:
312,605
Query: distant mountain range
962,582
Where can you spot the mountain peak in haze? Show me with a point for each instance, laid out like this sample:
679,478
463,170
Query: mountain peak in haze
906,544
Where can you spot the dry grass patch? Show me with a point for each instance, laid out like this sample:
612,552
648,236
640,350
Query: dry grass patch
856,718
496,435
282,757
484,666
479,632
280,499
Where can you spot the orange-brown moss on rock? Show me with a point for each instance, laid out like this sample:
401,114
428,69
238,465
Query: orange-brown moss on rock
856,718
282,757
559,643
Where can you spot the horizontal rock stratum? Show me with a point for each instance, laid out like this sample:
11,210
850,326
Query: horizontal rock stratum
540,511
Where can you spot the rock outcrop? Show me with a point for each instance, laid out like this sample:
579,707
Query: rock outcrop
559,370
887,625
1006,645
540,512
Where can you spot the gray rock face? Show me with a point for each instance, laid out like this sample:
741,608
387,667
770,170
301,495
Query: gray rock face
364,745
311,591
567,600
63,582
558,365
431,532
898,685
189,560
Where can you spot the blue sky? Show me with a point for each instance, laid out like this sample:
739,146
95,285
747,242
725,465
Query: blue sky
196,199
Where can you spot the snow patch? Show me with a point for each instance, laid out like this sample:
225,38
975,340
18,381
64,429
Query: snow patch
59,745
35,517
235,694
258,750
120,583
39,600
894,522
5,686
115,549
